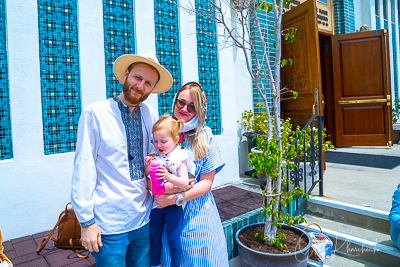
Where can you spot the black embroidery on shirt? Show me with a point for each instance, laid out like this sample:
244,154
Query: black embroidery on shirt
134,139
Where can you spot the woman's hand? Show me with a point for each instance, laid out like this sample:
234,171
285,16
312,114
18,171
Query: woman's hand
163,201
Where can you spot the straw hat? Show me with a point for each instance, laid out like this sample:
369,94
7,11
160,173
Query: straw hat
148,57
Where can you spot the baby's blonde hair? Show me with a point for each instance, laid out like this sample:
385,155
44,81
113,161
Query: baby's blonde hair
165,122
198,140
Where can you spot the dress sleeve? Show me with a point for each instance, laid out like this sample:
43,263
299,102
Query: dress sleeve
84,176
214,160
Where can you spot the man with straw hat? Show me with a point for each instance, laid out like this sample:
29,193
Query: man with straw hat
109,189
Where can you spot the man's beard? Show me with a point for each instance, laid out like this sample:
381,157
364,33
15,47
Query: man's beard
134,100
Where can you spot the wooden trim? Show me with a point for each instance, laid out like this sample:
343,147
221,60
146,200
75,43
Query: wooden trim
325,32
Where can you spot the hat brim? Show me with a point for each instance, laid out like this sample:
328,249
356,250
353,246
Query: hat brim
124,61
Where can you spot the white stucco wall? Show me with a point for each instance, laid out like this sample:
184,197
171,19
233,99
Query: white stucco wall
362,12
35,188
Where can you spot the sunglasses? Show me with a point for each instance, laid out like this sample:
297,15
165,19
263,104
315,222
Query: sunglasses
181,104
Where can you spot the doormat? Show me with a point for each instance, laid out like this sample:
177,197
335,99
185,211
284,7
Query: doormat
365,160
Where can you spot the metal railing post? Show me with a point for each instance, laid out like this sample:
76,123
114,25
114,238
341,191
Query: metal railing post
321,163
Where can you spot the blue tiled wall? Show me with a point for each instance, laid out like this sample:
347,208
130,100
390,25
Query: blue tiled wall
119,37
344,16
267,27
378,22
207,52
6,149
167,48
59,74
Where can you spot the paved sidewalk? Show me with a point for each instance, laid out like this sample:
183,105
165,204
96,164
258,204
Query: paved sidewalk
365,176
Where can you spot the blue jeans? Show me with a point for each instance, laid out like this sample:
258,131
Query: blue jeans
172,217
130,249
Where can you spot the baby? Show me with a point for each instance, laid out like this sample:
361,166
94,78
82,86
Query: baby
175,165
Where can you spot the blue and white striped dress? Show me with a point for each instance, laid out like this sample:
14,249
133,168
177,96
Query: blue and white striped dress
203,239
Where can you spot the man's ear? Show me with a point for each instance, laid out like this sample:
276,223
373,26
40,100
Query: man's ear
126,74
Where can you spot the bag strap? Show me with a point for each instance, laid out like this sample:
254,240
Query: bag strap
74,250
46,239
313,223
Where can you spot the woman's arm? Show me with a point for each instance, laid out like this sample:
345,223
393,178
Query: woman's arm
198,190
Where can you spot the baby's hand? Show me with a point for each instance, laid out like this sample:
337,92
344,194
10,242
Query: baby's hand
162,173
147,160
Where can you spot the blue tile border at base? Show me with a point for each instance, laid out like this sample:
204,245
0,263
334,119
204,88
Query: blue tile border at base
232,225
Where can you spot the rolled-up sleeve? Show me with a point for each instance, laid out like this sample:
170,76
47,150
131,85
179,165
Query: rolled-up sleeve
85,175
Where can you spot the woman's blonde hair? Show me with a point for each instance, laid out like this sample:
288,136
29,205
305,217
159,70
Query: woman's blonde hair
165,122
197,141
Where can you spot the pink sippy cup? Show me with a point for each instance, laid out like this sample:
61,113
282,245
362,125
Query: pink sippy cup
157,186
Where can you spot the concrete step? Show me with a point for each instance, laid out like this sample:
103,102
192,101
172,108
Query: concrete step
335,261
365,217
356,243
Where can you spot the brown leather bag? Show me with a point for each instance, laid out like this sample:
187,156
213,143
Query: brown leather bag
2,256
69,233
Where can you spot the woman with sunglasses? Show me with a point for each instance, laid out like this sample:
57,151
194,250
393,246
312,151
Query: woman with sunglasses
203,239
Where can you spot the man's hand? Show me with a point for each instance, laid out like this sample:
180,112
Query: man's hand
91,237
163,201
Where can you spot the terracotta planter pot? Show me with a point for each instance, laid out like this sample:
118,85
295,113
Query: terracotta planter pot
253,258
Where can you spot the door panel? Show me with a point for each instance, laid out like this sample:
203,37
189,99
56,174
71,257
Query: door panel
303,75
363,74
362,105
364,127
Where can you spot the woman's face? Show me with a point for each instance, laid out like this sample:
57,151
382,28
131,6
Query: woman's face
183,113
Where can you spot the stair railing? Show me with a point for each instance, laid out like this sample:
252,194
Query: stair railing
311,154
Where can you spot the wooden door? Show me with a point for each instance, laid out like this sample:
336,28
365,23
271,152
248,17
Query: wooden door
362,105
304,75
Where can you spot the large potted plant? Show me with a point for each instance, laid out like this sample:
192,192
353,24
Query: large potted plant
289,245
254,125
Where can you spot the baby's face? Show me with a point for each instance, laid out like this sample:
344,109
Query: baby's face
164,142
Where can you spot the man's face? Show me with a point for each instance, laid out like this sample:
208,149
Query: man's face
139,83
